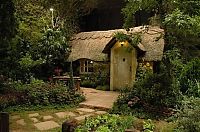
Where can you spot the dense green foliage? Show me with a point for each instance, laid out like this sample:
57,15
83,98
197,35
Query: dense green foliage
153,94
180,19
178,72
34,41
41,41
100,77
36,93
121,37
148,126
106,123
190,78
7,32
133,39
188,117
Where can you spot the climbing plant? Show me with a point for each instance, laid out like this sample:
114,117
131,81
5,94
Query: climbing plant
133,39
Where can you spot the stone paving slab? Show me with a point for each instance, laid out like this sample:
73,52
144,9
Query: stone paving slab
87,110
33,115
65,114
21,122
99,99
47,117
35,120
61,115
46,125
15,117
79,112
81,118
71,114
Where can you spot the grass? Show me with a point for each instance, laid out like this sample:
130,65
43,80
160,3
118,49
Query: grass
23,108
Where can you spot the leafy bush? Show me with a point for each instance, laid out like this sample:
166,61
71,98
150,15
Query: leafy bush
153,94
2,83
106,123
148,126
100,76
189,78
39,93
189,116
89,83
104,88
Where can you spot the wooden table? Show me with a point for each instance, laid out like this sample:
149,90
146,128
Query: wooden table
66,79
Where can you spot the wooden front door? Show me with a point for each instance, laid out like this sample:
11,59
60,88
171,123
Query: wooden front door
122,67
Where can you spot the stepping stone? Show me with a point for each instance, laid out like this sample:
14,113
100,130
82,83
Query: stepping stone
47,117
46,125
15,117
35,120
61,114
33,115
79,112
71,114
100,112
81,118
21,122
85,110
65,114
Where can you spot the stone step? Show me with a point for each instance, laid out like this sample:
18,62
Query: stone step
47,125
92,106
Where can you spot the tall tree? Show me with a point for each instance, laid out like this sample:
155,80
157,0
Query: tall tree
7,32
179,18
43,34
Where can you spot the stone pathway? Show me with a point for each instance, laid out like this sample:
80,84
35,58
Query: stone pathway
99,99
96,103
55,120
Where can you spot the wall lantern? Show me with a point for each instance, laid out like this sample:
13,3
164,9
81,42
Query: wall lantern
122,44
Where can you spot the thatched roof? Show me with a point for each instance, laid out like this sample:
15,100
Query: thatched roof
153,42
90,45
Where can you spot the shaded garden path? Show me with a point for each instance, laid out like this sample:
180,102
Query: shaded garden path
97,102
99,99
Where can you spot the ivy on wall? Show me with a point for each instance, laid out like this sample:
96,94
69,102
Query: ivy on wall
133,39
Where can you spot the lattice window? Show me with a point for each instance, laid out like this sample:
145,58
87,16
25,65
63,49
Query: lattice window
86,66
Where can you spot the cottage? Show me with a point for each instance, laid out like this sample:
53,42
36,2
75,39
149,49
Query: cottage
93,48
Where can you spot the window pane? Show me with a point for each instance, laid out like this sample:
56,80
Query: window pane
82,69
90,69
86,63
90,64
86,69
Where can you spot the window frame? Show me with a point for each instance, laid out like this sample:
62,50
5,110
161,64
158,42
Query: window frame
85,65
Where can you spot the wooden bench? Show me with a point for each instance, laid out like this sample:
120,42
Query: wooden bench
66,79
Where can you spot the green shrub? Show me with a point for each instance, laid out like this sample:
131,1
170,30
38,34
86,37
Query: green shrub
122,109
189,116
39,93
189,78
104,88
100,76
154,93
148,126
88,83
106,123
